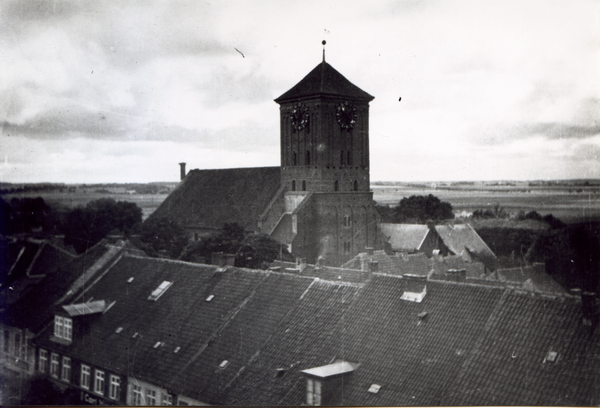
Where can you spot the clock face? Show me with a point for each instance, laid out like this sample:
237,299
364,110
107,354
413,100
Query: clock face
299,116
346,115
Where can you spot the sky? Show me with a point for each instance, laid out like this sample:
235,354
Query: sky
122,91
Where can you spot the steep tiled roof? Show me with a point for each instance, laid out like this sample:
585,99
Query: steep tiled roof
461,237
273,377
324,80
211,198
241,337
234,336
33,307
412,358
509,364
405,237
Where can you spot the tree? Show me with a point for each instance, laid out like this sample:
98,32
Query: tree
252,250
421,209
85,226
27,214
161,233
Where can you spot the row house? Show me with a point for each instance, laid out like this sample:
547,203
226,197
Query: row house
162,332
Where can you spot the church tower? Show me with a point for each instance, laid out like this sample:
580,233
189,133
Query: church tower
328,212
324,123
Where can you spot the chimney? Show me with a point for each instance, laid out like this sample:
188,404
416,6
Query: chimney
228,259
456,275
373,266
182,170
301,263
319,262
369,250
216,258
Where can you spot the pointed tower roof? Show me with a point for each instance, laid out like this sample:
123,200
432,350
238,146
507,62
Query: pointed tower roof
324,80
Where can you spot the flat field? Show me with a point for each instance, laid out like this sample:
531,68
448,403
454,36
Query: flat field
570,203
566,203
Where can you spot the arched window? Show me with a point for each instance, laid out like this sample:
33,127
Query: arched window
293,185
342,158
307,157
355,185
349,161
303,185
295,159
336,186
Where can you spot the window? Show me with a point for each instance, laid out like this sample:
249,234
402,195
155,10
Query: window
336,186
347,247
347,221
43,361
84,382
115,387
355,185
68,334
137,395
6,340
342,158
158,292
313,392
150,397
99,382
54,365
308,157
303,185
58,326
66,369
166,399
63,327
349,158
294,159
293,185
17,350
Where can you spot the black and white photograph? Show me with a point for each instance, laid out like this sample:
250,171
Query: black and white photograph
289,203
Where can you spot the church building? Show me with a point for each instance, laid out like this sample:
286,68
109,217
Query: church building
318,202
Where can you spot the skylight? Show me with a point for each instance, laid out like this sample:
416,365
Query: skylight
551,357
223,364
158,343
177,349
374,388
119,330
211,297
158,292
130,280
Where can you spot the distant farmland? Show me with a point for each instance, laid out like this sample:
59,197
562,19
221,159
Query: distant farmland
567,203
571,203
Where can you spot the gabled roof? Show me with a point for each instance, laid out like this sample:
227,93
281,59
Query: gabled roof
462,237
33,307
211,198
324,80
405,237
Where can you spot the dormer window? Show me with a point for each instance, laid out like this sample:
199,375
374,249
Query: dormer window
63,328
158,292
322,382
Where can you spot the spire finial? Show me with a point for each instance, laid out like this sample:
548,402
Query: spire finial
323,42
